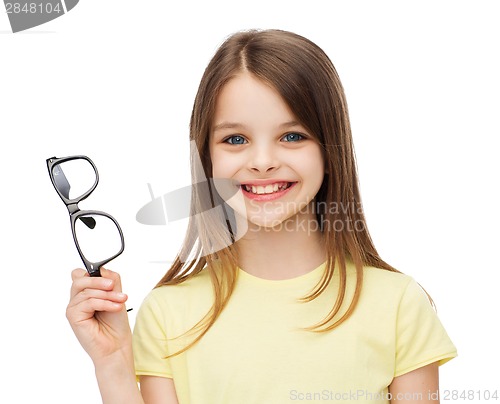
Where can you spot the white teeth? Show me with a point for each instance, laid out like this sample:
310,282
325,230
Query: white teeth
268,189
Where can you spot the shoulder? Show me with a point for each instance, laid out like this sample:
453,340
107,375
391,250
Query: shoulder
382,281
194,291
391,289
385,279
193,283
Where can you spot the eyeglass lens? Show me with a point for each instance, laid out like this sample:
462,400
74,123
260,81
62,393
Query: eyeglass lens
99,242
74,178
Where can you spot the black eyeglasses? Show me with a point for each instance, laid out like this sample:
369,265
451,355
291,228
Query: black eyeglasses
98,236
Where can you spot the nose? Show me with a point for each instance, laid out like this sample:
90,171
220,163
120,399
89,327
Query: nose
263,159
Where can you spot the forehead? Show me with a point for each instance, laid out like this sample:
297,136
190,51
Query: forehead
250,102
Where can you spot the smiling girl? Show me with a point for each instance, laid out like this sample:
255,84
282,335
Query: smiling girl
284,296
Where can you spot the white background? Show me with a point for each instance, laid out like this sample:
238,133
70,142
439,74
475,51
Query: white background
115,80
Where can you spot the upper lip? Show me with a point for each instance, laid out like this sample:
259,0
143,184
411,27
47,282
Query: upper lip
264,182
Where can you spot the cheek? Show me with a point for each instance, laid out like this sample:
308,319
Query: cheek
224,165
313,166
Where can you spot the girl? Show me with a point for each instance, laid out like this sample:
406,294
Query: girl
280,295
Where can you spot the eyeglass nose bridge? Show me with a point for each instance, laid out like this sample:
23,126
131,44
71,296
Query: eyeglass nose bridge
73,208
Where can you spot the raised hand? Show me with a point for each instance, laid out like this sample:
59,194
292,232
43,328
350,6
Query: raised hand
97,314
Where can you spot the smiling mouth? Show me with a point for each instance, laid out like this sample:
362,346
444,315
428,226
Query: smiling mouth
267,189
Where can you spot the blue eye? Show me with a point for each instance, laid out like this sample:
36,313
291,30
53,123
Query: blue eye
293,137
236,139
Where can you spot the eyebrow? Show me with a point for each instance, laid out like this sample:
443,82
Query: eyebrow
236,125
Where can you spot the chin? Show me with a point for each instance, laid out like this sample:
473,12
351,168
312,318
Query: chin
276,223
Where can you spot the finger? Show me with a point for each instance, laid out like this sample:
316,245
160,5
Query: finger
86,294
78,273
87,282
86,309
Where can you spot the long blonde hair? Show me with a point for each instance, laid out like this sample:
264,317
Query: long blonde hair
307,81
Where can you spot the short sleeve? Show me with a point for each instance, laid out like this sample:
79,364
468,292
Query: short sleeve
150,341
421,338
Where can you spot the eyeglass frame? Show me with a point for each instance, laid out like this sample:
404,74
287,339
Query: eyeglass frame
93,268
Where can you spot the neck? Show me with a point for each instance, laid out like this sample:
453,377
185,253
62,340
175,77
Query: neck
281,252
